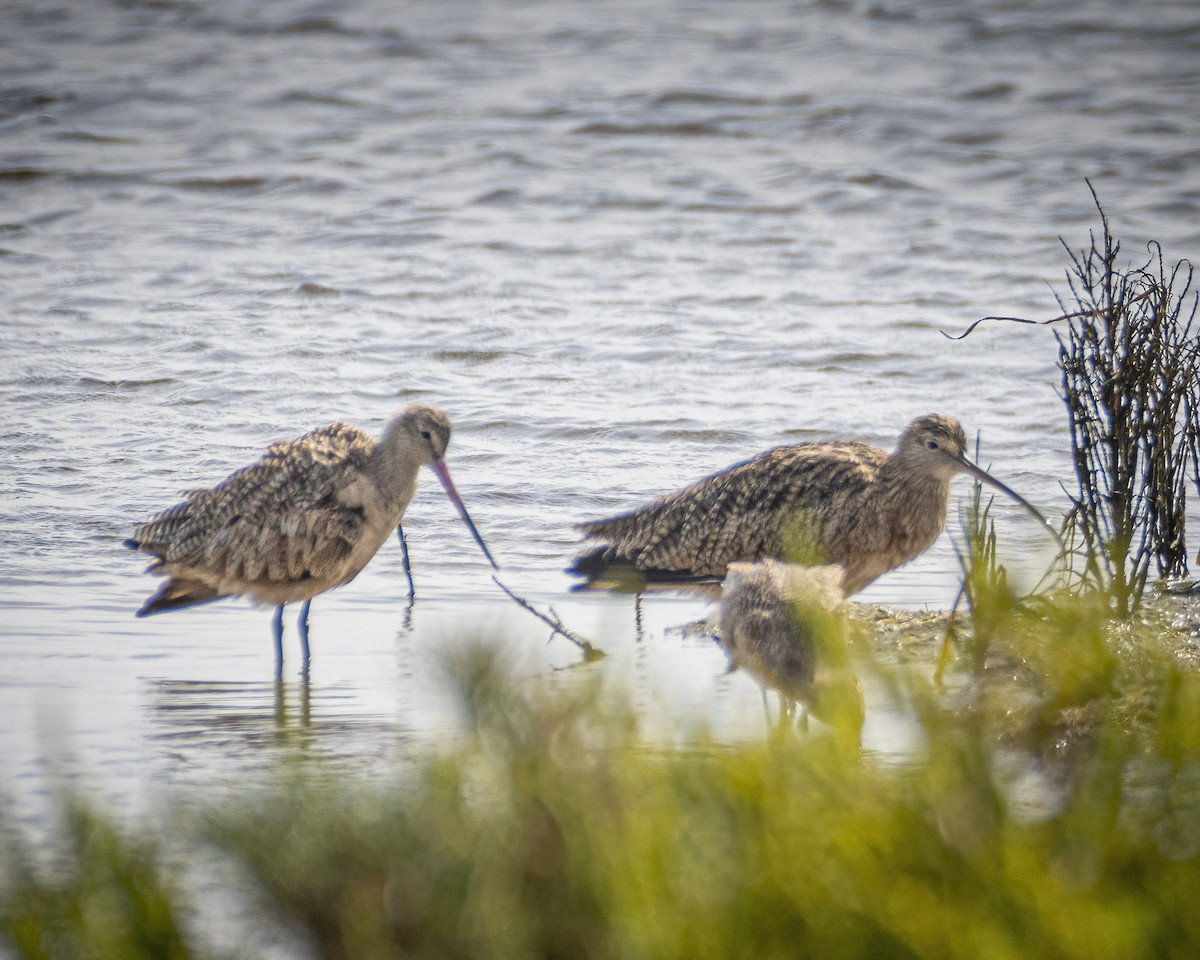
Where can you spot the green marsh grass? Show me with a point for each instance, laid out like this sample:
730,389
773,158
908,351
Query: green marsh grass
556,829
106,895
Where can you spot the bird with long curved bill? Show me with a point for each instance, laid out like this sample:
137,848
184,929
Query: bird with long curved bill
833,501
305,518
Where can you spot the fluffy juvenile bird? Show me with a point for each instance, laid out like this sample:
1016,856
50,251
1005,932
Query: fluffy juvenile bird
785,625
305,518
833,501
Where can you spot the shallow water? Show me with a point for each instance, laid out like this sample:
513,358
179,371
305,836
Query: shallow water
622,244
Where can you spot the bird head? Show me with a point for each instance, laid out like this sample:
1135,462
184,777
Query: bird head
427,432
935,446
426,429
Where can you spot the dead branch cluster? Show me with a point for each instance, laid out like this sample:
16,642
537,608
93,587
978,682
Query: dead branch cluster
1130,364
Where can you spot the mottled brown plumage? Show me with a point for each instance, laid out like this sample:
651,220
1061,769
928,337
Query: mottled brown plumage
305,518
834,501
785,625
769,613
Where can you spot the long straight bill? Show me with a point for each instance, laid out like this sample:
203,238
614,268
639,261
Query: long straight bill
984,477
443,472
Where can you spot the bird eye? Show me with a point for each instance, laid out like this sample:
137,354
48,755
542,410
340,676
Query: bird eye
427,435
931,444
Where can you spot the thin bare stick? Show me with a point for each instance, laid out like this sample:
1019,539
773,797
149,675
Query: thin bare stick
1074,315
555,624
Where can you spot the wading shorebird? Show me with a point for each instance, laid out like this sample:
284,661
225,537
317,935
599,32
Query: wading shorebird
833,501
785,625
307,517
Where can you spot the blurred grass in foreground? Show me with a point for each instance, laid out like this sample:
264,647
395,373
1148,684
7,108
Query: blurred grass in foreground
555,830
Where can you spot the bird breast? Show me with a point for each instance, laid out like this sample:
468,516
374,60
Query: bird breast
905,521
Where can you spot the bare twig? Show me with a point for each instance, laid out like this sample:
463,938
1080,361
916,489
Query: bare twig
1129,358
1130,370
556,625
1073,315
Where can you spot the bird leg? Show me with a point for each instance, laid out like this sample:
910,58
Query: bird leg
412,590
302,623
801,716
277,629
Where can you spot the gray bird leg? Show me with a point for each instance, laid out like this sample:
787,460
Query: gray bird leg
412,589
303,625
277,629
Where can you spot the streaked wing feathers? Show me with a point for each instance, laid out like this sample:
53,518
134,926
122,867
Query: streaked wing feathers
280,518
741,513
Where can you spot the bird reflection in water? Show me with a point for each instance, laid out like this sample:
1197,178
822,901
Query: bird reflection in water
199,713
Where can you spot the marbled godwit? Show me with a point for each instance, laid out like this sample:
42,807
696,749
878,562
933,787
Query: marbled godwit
838,501
304,519
785,625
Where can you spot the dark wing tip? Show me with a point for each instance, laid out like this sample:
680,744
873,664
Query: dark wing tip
132,544
591,564
177,594
603,571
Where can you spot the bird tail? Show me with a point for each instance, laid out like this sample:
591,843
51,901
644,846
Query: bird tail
591,564
178,593
603,570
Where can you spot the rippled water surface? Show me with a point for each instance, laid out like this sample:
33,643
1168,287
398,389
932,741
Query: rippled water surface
623,244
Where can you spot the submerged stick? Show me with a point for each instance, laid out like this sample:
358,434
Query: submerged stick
556,625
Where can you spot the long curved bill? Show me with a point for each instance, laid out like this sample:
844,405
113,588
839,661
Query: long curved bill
984,477
443,472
